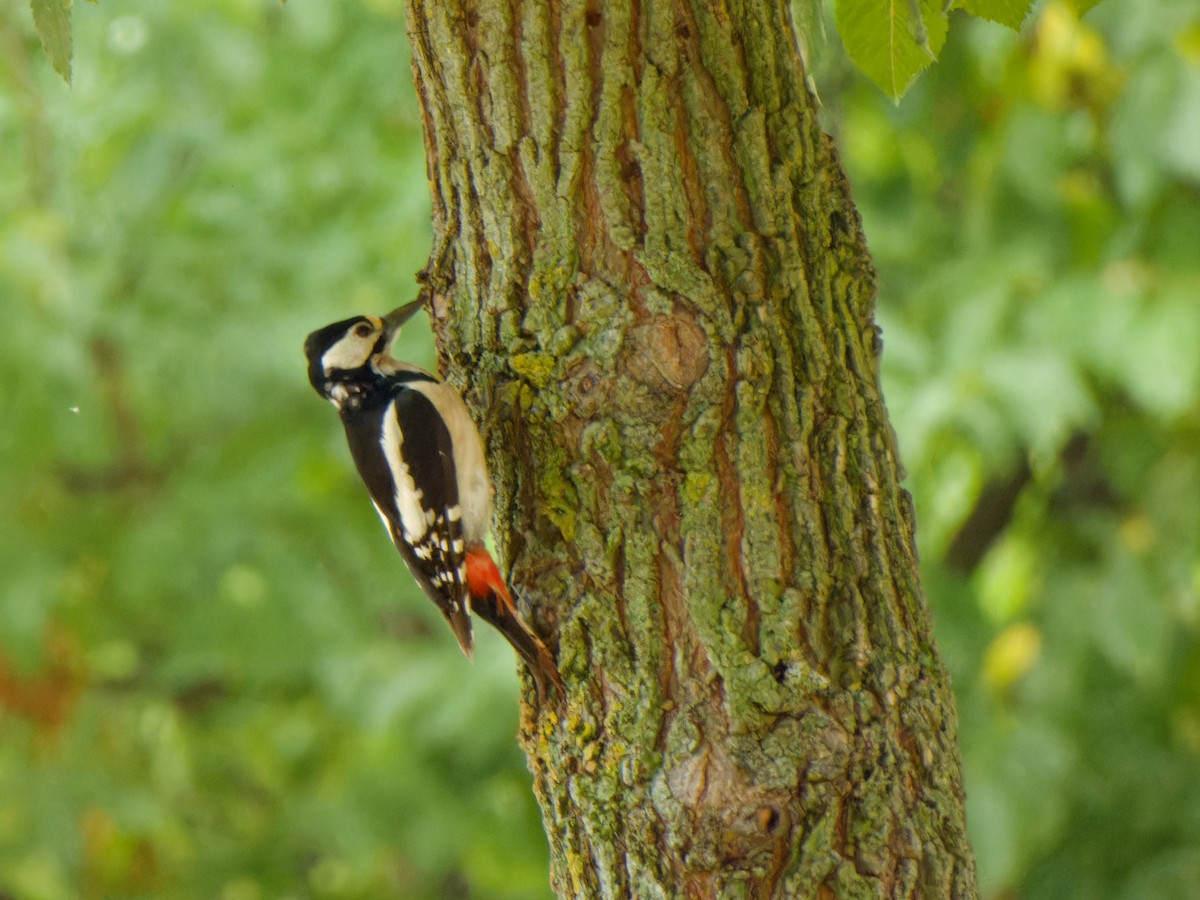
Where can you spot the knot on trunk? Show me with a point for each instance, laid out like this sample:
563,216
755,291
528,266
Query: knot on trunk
667,354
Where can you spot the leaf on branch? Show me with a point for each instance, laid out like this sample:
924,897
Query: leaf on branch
892,40
1006,12
52,18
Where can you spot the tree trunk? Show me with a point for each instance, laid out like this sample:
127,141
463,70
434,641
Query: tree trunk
651,282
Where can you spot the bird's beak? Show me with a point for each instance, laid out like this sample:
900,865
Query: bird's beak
397,317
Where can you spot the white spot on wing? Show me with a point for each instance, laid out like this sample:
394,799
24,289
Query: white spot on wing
408,497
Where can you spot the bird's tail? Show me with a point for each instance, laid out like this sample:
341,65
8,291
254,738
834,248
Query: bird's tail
460,623
492,602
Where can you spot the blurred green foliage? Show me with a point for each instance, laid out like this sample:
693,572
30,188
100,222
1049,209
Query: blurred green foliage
216,679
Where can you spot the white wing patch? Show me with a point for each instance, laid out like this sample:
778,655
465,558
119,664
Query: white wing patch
474,506
408,497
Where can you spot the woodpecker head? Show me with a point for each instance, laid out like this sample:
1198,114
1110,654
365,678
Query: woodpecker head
341,356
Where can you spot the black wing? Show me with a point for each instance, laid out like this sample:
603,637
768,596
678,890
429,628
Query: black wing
414,487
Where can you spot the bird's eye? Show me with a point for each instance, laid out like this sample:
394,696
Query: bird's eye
362,329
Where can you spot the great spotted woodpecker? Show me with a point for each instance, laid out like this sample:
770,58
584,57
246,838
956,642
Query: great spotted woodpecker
421,458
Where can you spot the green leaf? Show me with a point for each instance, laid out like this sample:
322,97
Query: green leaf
52,18
809,21
1007,12
891,42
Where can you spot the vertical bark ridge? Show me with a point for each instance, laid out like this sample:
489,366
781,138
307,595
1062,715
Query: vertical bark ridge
614,187
647,263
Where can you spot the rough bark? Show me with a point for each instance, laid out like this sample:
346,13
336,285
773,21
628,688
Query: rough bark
650,280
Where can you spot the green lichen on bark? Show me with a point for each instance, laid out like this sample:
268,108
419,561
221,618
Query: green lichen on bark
650,280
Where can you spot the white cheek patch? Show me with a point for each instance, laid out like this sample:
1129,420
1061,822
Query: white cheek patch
408,497
351,352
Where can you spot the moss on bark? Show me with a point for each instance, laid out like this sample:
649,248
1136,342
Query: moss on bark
650,280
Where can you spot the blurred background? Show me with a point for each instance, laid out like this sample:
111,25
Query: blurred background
215,677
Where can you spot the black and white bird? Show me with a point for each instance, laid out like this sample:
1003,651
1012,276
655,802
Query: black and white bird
421,458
